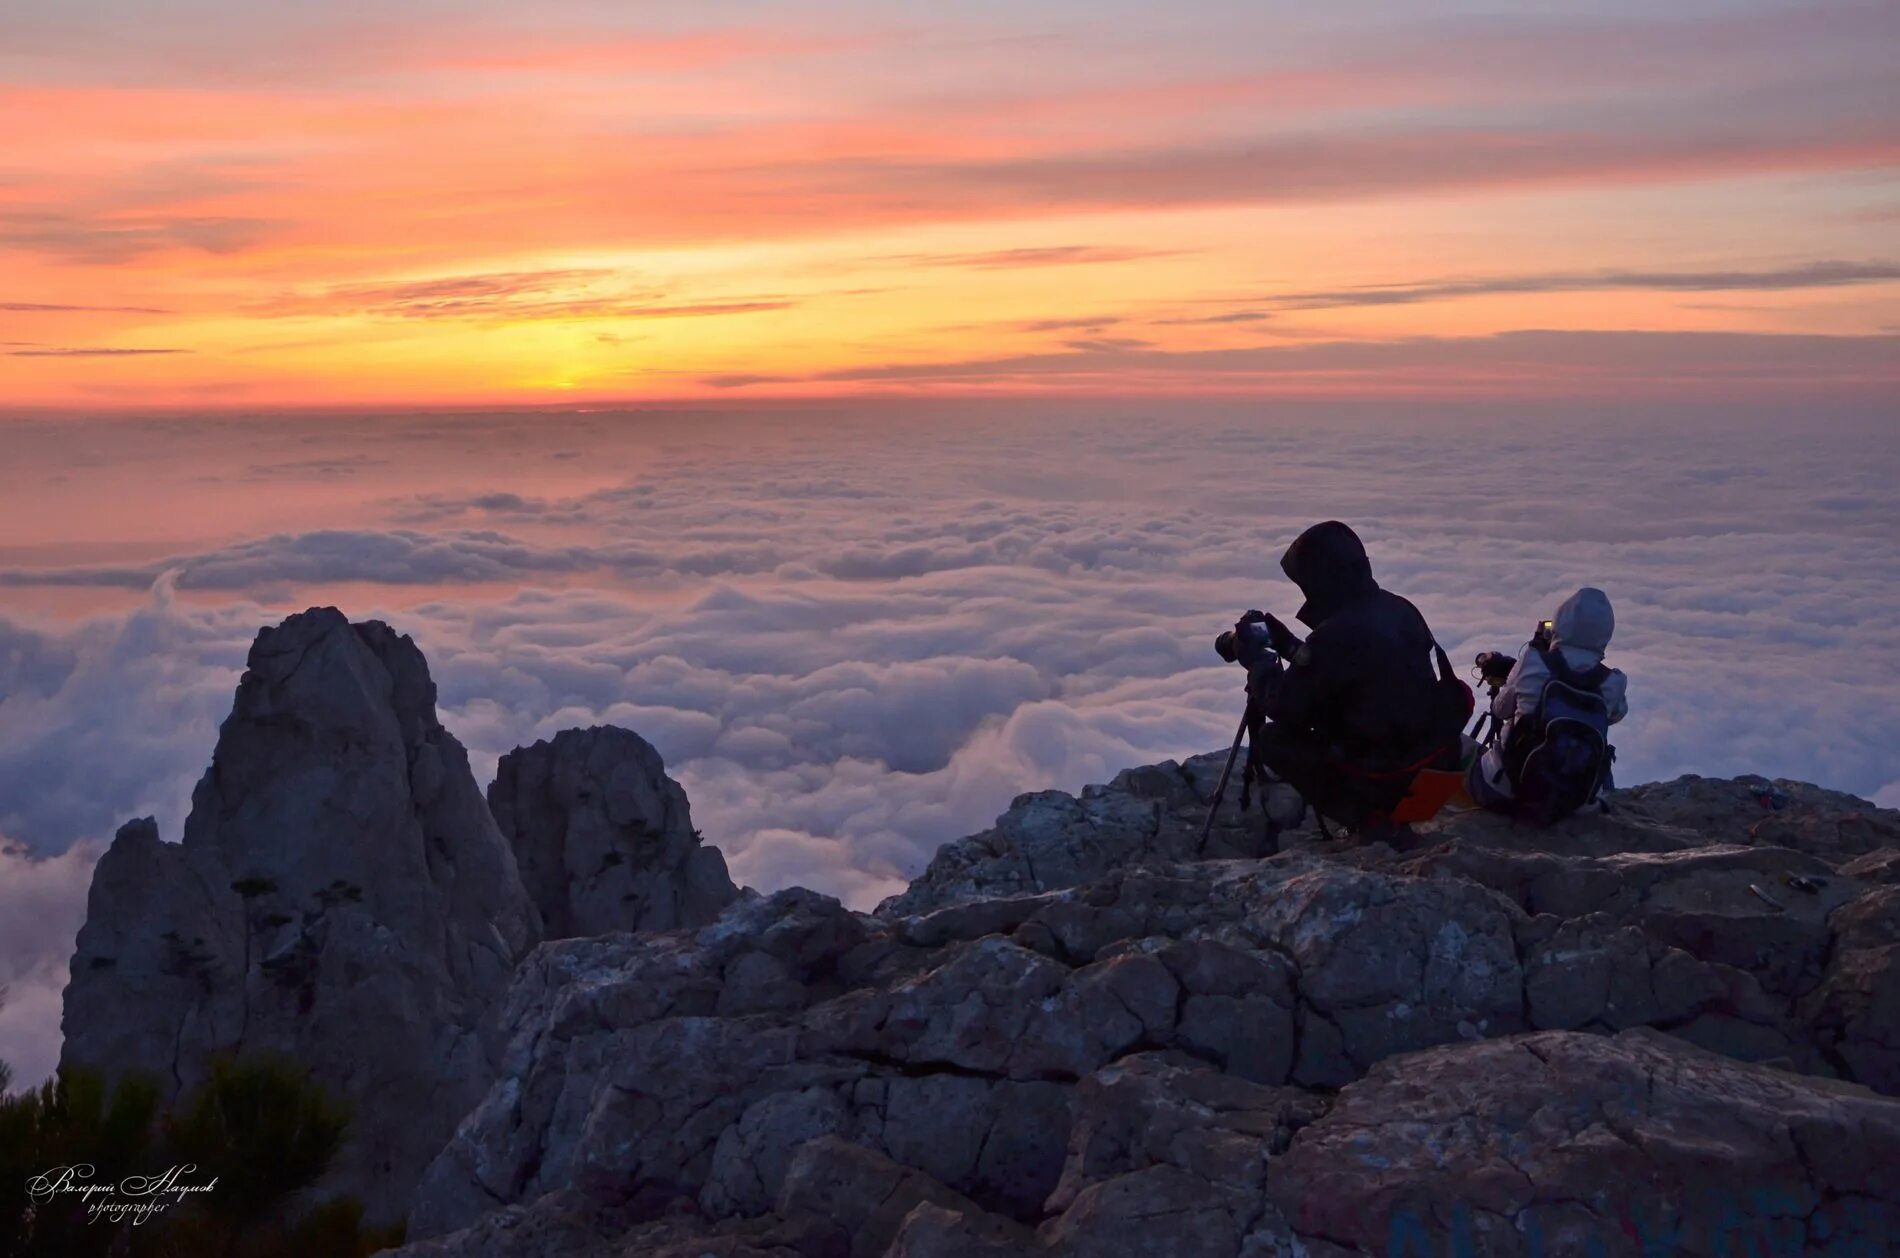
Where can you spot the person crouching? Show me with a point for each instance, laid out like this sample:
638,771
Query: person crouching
1358,709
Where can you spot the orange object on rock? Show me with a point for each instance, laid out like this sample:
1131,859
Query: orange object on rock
1430,791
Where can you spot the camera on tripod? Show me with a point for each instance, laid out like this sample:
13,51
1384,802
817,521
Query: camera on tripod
1256,636
1494,667
1246,643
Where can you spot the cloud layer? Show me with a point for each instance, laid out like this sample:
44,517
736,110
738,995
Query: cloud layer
855,635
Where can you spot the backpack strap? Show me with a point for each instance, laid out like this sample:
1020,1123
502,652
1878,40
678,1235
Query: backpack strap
1458,695
1590,679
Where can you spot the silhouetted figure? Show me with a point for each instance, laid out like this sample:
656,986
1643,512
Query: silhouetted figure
1358,709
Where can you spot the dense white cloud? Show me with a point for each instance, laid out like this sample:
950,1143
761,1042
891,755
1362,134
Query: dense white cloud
45,901
854,639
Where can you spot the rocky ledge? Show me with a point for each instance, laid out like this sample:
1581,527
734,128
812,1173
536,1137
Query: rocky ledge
1669,1028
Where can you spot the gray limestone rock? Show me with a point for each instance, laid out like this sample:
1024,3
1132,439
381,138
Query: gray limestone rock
1559,1143
1114,1061
931,1230
603,838
861,1192
341,895
1854,1014
1050,840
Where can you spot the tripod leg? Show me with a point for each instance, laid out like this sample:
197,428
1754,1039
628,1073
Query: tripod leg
1220,788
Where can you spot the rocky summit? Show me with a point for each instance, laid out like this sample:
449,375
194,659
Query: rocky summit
1672,1027
344,894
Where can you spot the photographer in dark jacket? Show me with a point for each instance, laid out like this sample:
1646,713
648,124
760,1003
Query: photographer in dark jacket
1358,709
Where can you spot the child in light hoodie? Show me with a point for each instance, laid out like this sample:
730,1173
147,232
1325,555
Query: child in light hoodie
1579,636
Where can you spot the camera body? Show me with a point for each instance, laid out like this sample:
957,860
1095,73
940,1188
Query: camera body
1494,667
1247,643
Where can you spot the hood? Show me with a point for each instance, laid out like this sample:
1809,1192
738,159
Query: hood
1328,562
1585,621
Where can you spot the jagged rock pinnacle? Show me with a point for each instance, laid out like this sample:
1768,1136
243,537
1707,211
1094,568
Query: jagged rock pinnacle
341,894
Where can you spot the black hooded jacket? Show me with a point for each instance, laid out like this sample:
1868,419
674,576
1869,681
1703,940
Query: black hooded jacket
1364,680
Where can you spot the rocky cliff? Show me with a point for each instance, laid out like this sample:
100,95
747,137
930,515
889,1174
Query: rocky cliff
1665,1029
343,894
1671,1028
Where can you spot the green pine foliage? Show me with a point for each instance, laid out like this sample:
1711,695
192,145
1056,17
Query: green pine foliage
71,1120
263,1131
258,1126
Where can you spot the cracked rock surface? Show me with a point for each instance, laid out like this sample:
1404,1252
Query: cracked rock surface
603,838
1084,1032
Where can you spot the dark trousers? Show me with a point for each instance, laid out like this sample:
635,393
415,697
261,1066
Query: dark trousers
1323,779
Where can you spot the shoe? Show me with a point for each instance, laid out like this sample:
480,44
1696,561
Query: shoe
1406,839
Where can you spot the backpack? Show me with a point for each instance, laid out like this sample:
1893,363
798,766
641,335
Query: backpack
1454,699
1558,756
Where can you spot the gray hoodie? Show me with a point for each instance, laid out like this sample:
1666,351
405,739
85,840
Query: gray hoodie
1581,633
1582,627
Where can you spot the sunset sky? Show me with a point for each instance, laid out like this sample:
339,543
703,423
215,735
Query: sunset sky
208,203
880,405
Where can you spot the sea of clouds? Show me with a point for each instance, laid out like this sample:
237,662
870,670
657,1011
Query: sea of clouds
856,635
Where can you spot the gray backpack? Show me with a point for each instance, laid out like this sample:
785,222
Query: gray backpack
1558,757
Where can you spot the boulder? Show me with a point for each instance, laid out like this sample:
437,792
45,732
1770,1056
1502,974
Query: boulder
1561,1143
931,1230
603,838
1164,1109
863,1194
1827,824
1050,840
1854,1014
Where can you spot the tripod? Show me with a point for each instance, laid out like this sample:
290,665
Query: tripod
1490,736
1249,720
1220,788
